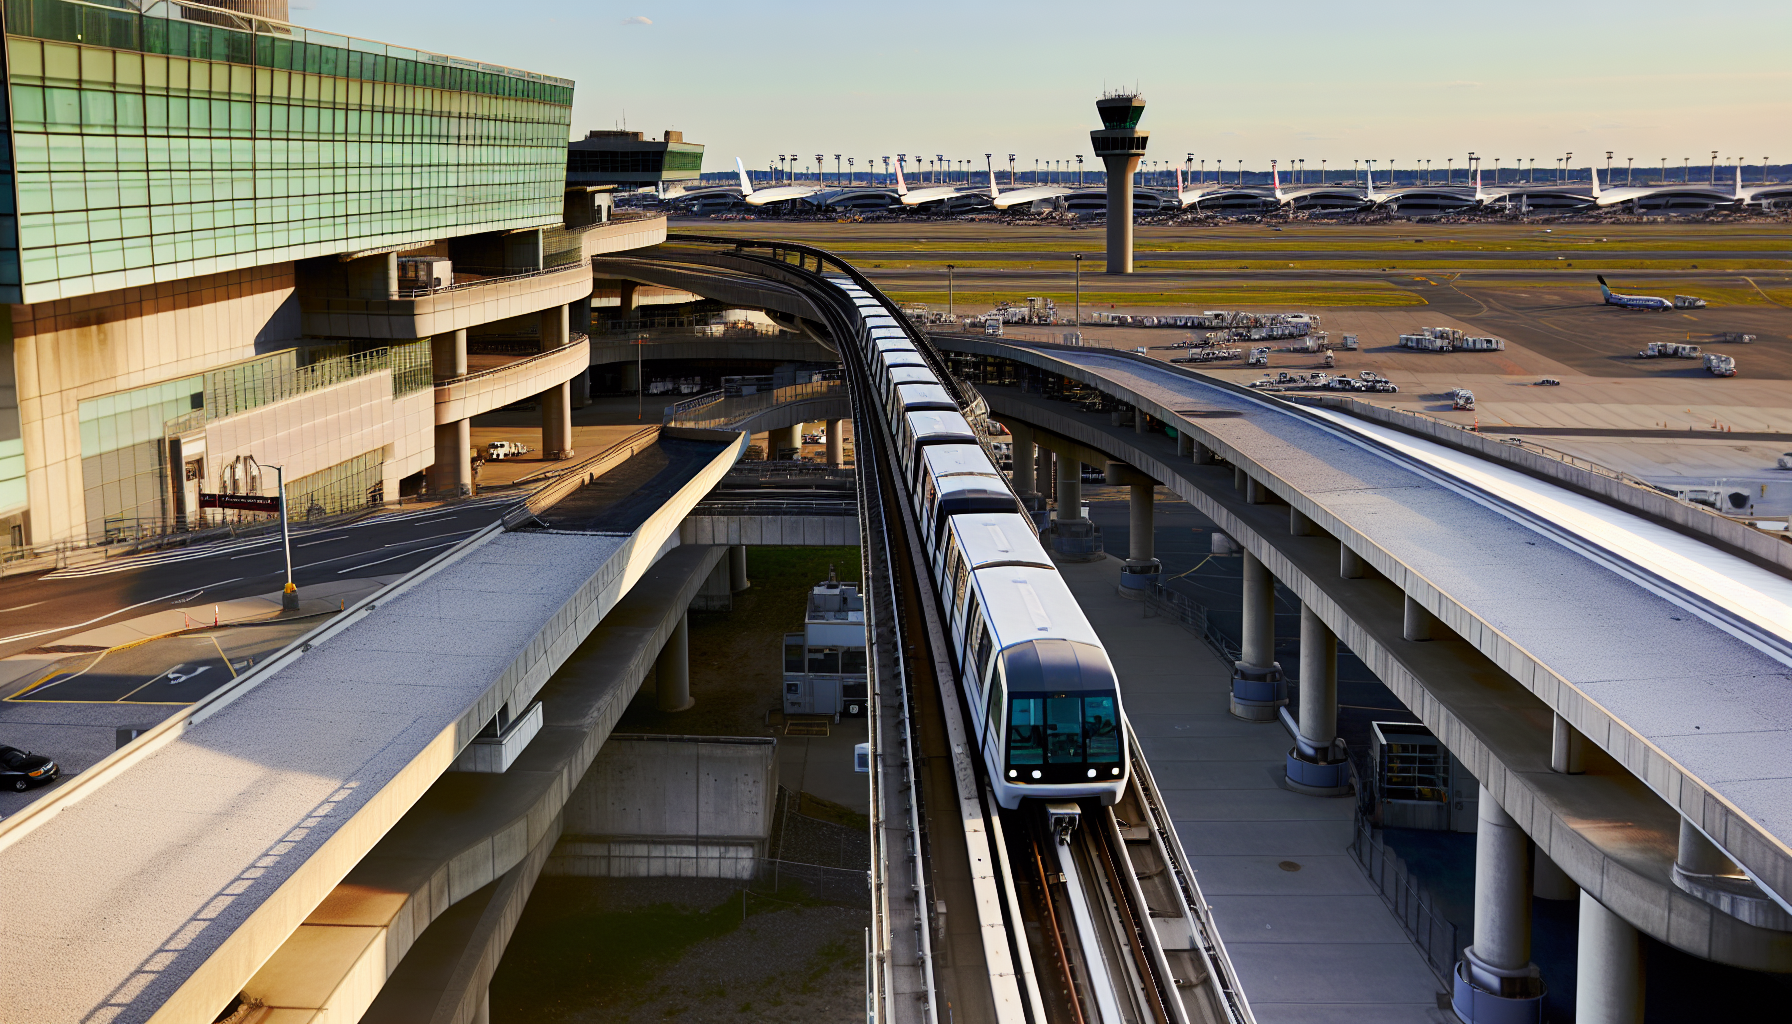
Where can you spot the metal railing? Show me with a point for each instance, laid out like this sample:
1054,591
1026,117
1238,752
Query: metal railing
724,412
1192,616
498,275
507,367
761,507
1412,905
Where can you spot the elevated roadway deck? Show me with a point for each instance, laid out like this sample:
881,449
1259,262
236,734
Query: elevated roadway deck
156,884
1687,701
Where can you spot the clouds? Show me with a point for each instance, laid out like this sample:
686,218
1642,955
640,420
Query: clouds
637,20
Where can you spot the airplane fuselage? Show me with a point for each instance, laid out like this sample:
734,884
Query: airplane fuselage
1644,302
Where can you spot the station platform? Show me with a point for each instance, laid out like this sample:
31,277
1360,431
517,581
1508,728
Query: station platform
1311,939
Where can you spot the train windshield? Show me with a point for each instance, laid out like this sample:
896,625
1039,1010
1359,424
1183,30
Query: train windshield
1063,728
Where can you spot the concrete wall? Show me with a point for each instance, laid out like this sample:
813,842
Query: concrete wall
772,531
677,787
74,349
325,315
482,392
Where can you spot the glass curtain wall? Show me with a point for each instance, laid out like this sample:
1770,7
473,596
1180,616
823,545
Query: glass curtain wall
150,148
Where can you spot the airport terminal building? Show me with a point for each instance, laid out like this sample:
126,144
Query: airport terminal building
628,160
240,244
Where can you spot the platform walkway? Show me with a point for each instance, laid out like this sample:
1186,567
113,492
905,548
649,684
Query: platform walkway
1312,941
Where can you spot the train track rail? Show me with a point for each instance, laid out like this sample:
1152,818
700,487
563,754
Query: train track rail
1077,912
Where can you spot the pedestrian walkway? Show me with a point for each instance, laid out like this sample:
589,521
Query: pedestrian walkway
1312,941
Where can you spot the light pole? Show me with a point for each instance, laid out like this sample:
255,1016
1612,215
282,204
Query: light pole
289,595
1608,168
1449,172
836,168
852,177
1629,164
1686,170
1011,170
1567,158
1241,173
1714,167
950,296
1322,170
1354,175
1079,170
1079,292
1470,168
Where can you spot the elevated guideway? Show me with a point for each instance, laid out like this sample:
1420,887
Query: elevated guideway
1659,634
162,879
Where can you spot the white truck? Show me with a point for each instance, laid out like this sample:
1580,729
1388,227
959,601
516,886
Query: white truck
499,450
1720,365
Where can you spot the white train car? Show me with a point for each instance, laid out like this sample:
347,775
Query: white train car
1041,693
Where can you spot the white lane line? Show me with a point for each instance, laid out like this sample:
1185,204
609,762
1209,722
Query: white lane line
396,557
325,540
102,618
20,607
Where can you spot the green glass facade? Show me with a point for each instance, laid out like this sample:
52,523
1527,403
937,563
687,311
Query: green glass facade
148,148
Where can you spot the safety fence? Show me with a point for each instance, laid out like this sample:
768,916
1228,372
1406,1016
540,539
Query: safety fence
723,412
1412,905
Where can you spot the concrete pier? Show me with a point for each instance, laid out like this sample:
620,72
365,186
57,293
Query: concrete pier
672,672
1315,766
1495,980
1608,986
1257,685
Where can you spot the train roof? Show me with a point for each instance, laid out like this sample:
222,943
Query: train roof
893,342
932,426
989,538
877,320
947,459
1024,603
924,396
900,374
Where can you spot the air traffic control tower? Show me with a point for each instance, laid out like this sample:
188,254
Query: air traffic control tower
1120,144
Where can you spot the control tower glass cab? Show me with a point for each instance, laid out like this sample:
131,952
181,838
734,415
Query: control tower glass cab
1119,143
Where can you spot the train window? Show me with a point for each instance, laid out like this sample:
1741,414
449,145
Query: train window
993,712
1026,731
1064,730
985,647
852,661
958,582
824,661
970,616
1101,730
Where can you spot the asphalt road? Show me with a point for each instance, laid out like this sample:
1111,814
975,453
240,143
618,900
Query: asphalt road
38,608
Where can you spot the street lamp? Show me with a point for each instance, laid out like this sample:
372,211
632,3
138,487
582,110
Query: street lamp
1686,170
1629,164
1079,170
1608,168
1567,158
1714,167
1011,170
289,595
1449,170
949,289
851,175
836,168
1079,291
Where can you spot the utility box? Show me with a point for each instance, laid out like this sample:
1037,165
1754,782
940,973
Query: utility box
825,671
1417,782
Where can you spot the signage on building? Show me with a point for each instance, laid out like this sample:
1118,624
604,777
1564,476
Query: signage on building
240,502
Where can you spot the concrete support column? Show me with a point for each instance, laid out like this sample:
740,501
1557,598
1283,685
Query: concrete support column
555,327
1185,445
1139,420
672,672
1254,491
1257,685
1700,856
783,438
1548,881
1021,446
1350,564
1315,764
1567,748
482,1014
737,568
556,422
836,443
1299,525
453,469
1141,570
448,354
1070,489
1045,474
1203,455
1240,480
1420,624
1608,984
1495,980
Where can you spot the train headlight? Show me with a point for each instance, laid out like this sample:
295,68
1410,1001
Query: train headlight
1035,773
1091,773
1013,774
1115,771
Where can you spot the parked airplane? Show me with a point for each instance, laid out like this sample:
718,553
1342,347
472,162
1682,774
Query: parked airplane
920,195
775,194
1648,302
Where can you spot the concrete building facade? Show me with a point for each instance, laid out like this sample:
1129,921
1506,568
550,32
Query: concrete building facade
239,243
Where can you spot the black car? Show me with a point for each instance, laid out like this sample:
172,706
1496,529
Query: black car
21,769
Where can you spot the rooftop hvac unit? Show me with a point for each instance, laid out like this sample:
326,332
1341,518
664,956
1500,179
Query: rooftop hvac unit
424,273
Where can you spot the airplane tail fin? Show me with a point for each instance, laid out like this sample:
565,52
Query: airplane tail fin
1604,289
1369,178
1596,190
901,185
746,187
1481,197
1737,191
989,161
1179,186
1275,182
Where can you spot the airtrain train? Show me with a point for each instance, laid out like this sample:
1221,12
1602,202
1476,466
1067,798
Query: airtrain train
1042,695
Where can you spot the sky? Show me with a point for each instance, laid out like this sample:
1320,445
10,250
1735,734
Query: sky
1303,79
